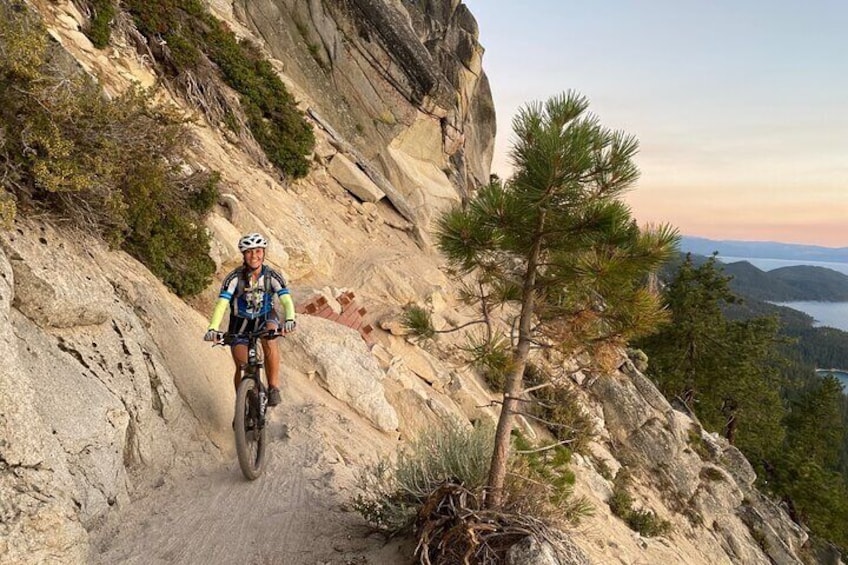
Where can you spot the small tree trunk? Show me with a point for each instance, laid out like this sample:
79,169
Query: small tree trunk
730,423
503,433
514,383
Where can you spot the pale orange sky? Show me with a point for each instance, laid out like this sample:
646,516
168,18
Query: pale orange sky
741,109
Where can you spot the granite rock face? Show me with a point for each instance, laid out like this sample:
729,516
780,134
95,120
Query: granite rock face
90,410
711,486
401,81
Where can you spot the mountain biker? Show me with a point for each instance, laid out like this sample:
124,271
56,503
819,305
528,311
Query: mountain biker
249,292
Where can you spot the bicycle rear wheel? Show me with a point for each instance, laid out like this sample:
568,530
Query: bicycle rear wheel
250,436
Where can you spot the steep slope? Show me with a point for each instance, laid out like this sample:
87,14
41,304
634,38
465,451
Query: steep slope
401,82
115,417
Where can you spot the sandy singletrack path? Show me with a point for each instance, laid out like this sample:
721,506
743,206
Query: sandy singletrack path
295,513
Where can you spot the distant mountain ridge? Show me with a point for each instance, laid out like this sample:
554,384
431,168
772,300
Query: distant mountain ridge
763,249
787,284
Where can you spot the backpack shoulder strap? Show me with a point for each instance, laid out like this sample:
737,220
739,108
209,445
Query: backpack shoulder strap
240,286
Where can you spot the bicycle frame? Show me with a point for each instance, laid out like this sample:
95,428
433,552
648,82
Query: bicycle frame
251,404
255,363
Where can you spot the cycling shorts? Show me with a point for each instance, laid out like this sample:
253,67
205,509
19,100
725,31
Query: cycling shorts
270,321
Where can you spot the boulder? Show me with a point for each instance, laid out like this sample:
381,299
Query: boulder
345,367
56,282
421,363
354,180
531,551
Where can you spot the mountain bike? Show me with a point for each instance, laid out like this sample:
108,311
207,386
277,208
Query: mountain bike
250,419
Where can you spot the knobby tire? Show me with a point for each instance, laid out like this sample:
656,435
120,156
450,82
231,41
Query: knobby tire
250,444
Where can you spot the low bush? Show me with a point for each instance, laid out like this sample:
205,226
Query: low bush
101,13
646,522
194,40
393,493
418,322
435,492
107,165
541,484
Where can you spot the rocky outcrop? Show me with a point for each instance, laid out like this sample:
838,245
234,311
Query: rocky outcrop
91,409
700,476
402,82
37,491
345,367
530,551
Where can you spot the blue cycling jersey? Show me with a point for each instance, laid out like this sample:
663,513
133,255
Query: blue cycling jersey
252,298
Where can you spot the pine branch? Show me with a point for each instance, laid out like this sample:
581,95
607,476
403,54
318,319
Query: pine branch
457,328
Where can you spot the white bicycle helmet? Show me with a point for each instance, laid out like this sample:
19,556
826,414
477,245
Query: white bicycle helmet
252,241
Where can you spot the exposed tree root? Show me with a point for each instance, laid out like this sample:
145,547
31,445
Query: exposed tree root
452,527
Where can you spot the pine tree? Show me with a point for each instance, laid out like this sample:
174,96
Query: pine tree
556,240
724,371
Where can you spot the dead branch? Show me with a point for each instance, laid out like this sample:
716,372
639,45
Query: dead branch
545,447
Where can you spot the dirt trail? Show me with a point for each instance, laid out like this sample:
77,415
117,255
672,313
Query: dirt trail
294,514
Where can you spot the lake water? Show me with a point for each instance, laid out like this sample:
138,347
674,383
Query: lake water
833,314
841,375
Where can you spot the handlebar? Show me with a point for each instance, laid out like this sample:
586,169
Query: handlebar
227,338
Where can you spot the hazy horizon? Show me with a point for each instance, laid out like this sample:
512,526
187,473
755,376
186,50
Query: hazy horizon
741,109
764,242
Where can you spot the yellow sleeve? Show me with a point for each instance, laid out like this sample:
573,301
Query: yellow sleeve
218,313
288,304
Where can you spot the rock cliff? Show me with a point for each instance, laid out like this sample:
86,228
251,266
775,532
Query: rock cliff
115,441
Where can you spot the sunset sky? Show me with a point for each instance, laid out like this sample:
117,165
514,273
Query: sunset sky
741,108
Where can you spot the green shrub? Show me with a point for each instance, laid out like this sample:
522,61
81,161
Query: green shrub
110,166
541,484
392,494
646,522
417,321
99,26
194,37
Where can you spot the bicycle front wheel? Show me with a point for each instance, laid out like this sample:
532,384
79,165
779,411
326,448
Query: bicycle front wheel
250,432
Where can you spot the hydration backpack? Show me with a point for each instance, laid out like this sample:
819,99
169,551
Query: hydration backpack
242,283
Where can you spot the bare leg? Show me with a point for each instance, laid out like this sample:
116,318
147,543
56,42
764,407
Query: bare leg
272,362
239,353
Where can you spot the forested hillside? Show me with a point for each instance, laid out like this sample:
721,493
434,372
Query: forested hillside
787,284
763,249
747,369
756,289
